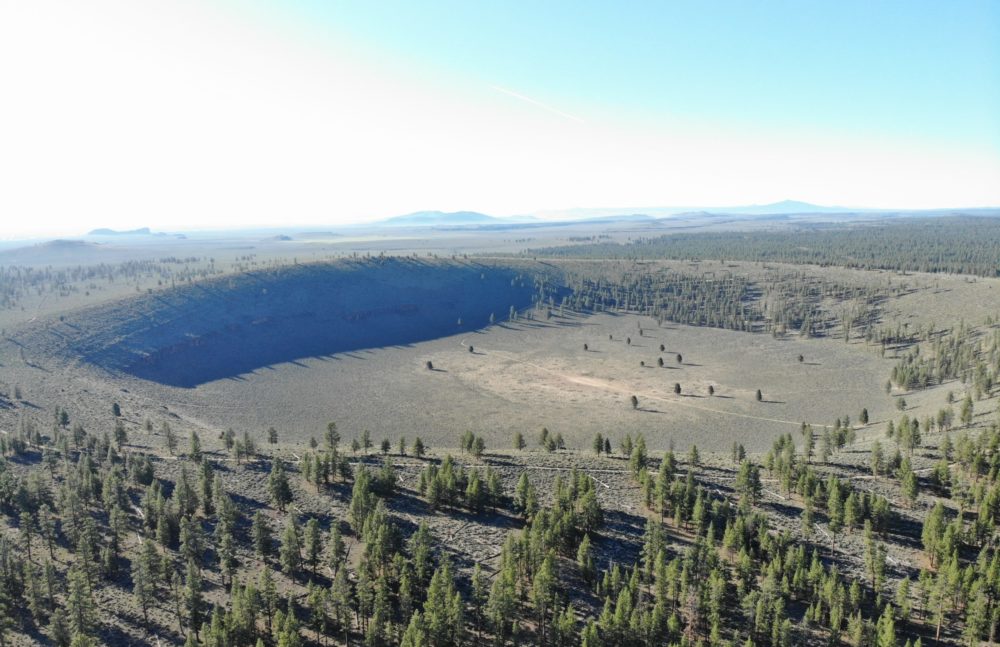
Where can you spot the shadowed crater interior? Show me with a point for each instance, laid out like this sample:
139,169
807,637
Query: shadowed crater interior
226,327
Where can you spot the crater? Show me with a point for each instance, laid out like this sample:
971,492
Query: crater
227,327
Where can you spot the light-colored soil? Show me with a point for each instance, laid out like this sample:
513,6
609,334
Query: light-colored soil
522,377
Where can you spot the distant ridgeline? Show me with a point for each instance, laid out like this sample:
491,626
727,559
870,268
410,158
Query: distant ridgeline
221,328
958,244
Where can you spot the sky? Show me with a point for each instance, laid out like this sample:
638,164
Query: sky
192,114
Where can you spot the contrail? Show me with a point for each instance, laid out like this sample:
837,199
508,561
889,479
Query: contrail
537,103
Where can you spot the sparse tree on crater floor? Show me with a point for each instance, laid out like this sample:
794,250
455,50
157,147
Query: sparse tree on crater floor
332,436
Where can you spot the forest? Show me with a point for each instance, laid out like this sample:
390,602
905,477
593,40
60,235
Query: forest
959,244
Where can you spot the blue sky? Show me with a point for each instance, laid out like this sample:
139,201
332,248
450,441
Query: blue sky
224,113
928,70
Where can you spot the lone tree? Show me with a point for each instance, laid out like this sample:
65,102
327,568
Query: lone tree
278,486
332,436
585,348
628,341
662,348
659,362
801,359
635,402
472,349
272,435
864,416
759,396
116,410
519,443
680,360
430,365
711,390
677,388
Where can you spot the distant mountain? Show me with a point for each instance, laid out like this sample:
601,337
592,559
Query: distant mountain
775,208
144,231
432,218
785,206
625,217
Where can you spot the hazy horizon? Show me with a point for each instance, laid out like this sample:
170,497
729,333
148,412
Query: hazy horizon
192,115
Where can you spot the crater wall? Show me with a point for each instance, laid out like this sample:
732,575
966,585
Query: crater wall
227,327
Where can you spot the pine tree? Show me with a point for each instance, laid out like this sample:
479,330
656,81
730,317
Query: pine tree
416,632
542,591
144,578
59,628
261,532
195,447
278,486
332,436
193,600
291,547
519,443
313,544
80,603
170,438
886,630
